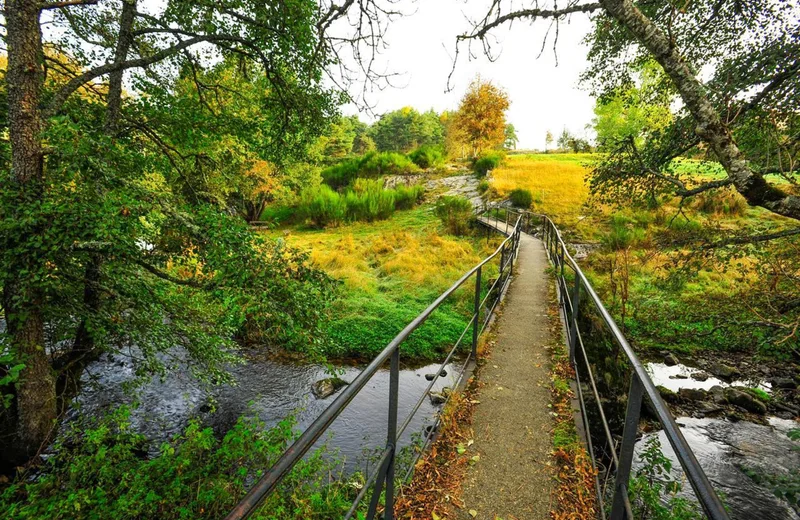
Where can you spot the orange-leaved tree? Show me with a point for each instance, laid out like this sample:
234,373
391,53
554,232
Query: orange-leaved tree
481,116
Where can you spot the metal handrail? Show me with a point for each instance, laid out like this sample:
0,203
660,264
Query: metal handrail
386,465
641,384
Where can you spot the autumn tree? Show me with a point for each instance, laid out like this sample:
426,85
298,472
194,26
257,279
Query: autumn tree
481,116
548,140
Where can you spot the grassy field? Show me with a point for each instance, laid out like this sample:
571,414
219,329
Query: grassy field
556,181
662,300
390,271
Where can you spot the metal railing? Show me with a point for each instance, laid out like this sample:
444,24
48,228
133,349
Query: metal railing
581,295
382,477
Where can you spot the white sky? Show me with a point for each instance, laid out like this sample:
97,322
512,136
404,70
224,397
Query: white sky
543,96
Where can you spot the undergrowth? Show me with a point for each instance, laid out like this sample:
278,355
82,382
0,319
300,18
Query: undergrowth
574,493
100,469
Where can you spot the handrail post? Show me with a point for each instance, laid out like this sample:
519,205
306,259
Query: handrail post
506,221
477,315
576,300
635,395
391,435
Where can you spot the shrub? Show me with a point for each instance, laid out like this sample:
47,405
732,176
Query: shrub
483,186
623,234
722,202
376,164
455,213
323,207
369,201
406,197
342,174
427,156
98,471
487,161
521,198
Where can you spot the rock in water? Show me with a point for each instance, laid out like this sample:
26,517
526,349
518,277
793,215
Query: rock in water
692,394
700,376
327,387
723,371
671,359
745,400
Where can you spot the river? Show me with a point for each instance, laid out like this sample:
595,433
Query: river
269,389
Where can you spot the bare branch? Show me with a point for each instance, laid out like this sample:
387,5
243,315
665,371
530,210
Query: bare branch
66,3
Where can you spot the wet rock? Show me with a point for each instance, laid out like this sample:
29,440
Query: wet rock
717,394
745,400
783,382
671,359
708,408
723,371
700,376
437,398
667,394
679,376
692,394
327,387
430,377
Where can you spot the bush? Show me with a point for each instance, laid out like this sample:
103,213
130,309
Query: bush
376,164
623,234
98,471
427,156
521,198
487,161
323,207
342,174
366,200
371,165
455,213
483,186
406,197
722,202
369,201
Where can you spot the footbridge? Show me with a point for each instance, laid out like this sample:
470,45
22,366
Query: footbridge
512,423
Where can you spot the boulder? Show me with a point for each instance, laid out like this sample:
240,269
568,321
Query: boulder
700,376
667,394
717,394
783,382
327,387
723,371
745,400
692,394
671,359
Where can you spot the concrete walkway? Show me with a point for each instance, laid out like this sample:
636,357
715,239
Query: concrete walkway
512,424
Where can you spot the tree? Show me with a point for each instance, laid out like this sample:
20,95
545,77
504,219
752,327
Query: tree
752,47
634,110
481,116
511,138
114,211
548,140
405,129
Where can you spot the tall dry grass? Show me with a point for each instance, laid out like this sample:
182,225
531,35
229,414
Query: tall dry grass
558,187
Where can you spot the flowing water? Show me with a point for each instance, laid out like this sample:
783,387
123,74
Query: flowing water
725,449
270,390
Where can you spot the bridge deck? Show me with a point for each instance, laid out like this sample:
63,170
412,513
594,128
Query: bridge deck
512,424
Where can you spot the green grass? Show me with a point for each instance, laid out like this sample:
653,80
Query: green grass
390,271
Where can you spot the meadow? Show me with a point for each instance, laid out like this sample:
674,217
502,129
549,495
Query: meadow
389,271
663,295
